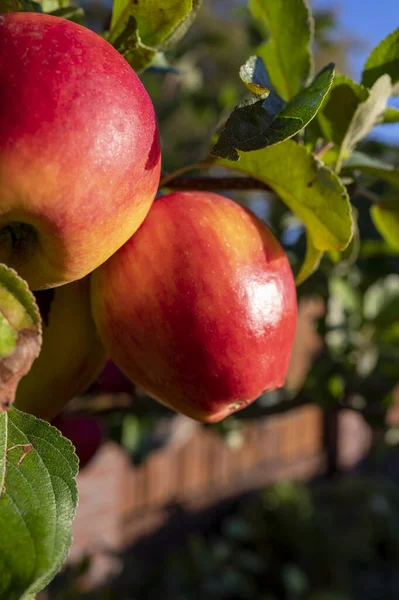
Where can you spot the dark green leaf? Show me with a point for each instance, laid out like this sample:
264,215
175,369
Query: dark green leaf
311,190
258,123
38,497
383,59
386,219
286,53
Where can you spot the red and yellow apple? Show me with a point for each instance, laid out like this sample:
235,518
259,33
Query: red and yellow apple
79,149
71,356
199,307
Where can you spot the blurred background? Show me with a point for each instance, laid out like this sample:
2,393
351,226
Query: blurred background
296,497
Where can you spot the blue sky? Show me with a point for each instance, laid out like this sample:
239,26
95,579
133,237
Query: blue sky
371,21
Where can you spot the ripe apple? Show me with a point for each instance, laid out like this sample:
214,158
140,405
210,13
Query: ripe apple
86,434
72,354
199,307
79,149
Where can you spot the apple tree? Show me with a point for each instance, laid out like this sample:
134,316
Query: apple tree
192,295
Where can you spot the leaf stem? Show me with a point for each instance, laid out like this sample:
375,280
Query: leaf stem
176,180
320,153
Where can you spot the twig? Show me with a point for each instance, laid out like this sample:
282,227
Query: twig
320,153
216,183
362,191
166,179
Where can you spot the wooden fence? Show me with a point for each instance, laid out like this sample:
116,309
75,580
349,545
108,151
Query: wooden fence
121,502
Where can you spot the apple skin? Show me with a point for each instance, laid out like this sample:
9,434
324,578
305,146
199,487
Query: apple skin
199,307
79,149
86,434
71,357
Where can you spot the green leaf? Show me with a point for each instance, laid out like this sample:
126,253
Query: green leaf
181,29
129,44
383,59
350,254
20,333
372,248
372,166
367,114
385,216
140,29
286,53
38,497
7,6
156,19
72,13
391,115
339,107
311,262
309,189
258,123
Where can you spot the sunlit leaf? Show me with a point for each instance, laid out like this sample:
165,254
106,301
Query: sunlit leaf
384,58
311,190
156,19
286,53
311,261
391,115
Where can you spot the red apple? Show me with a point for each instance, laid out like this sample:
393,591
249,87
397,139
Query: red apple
72,354
85,433
199,307
79,149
